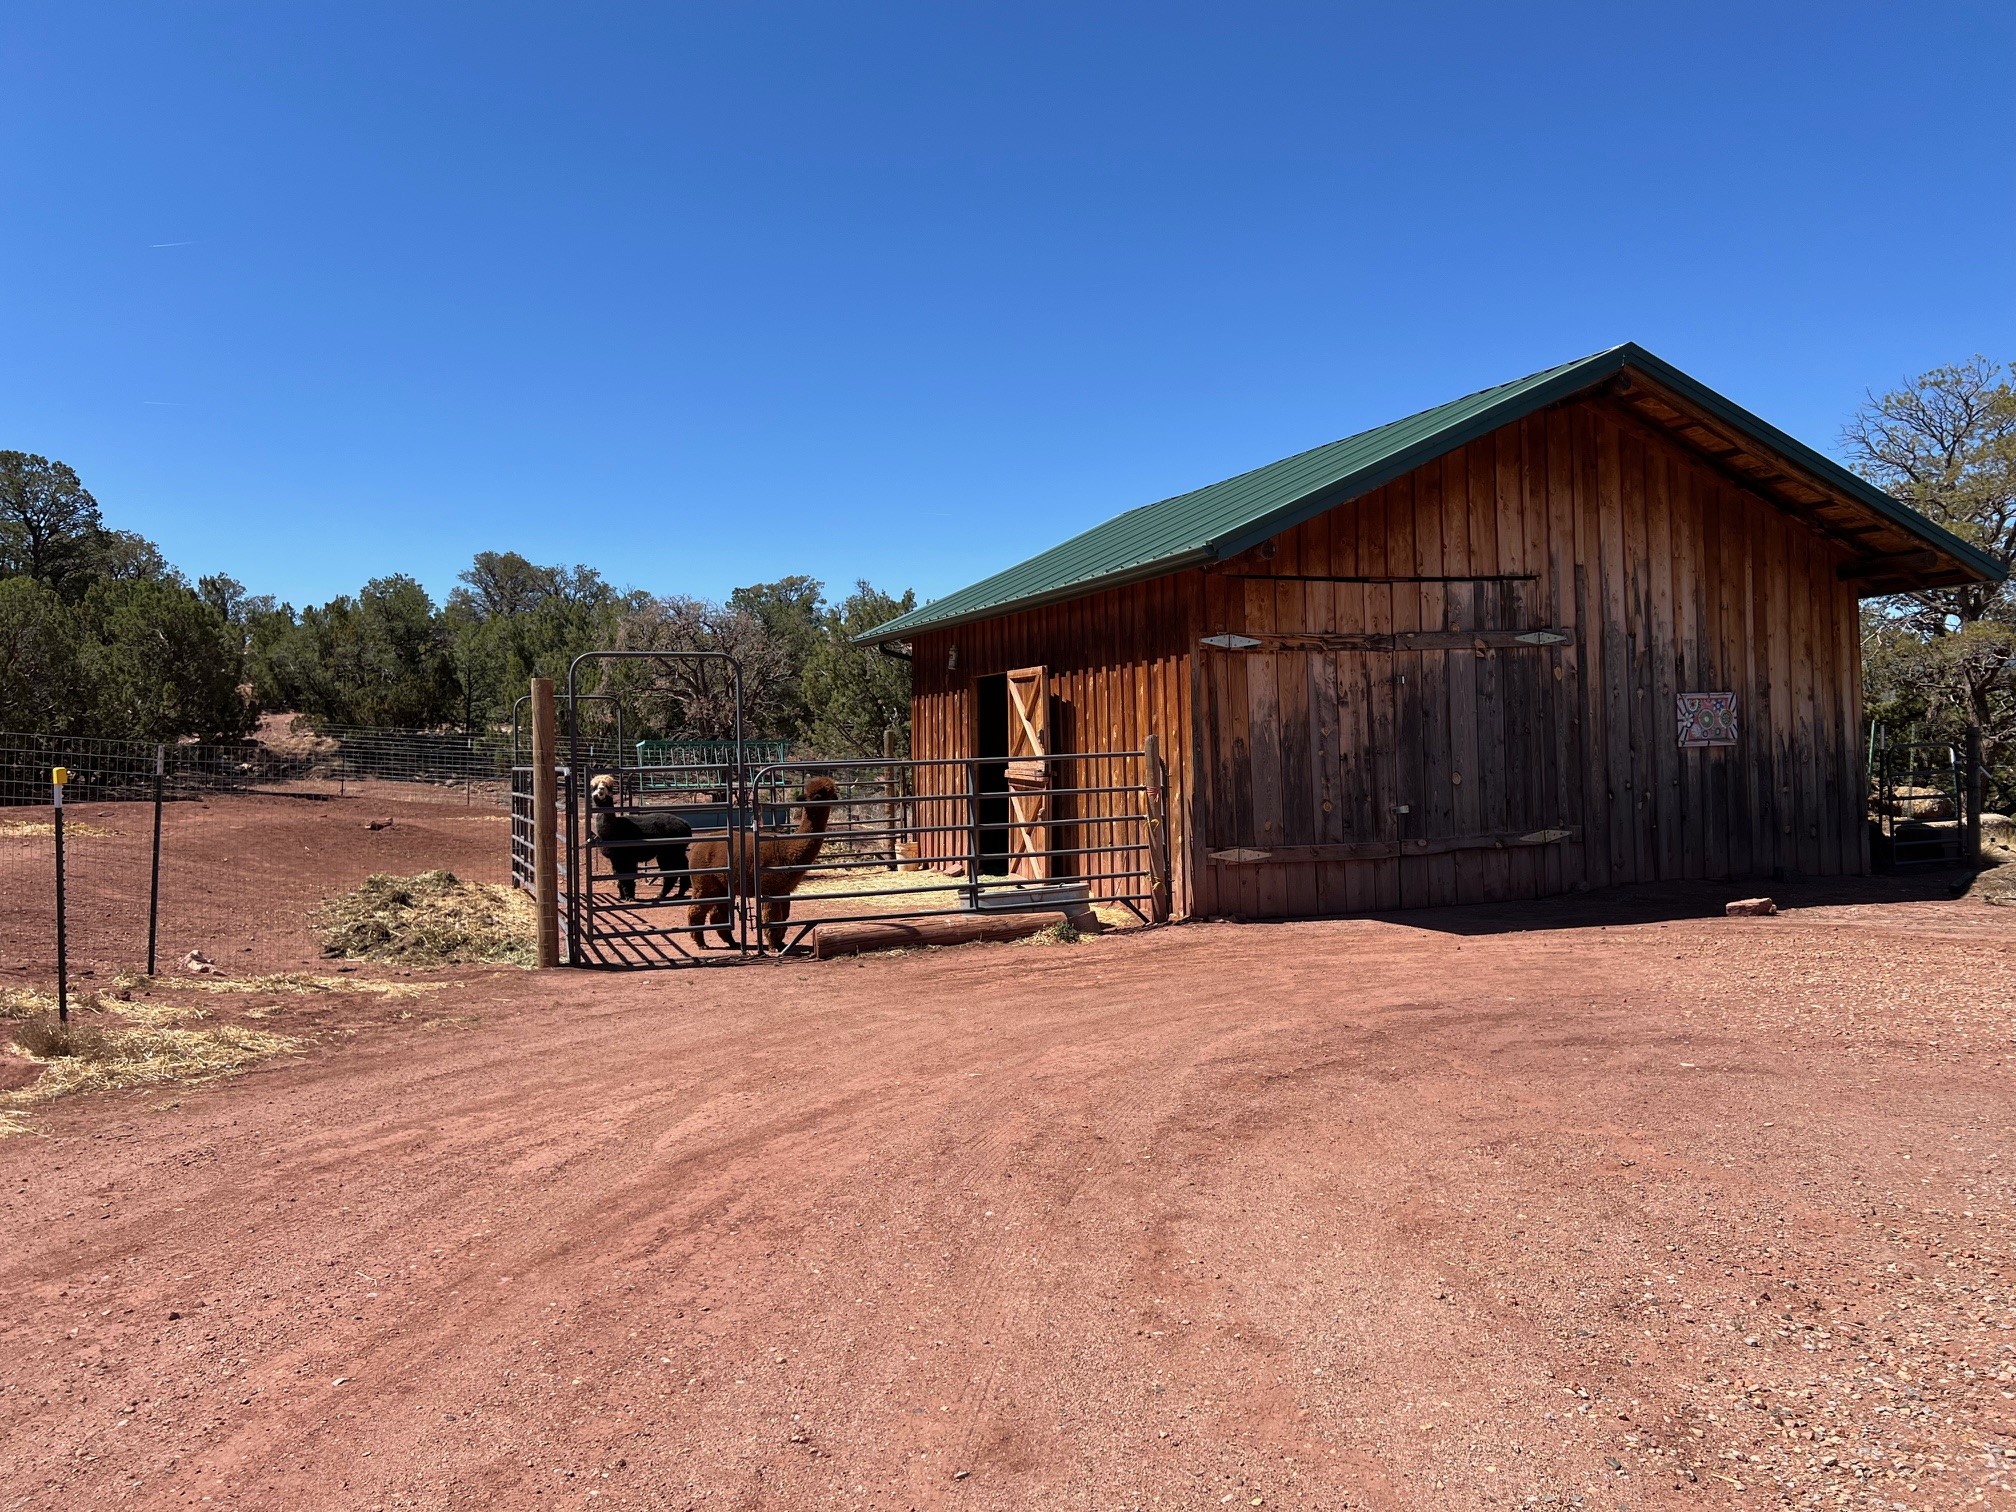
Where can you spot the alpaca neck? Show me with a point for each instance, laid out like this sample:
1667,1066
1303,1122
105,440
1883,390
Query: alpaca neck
806,841
804,850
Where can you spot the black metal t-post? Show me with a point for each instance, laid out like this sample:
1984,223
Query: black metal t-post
57,778
154,872
1976,792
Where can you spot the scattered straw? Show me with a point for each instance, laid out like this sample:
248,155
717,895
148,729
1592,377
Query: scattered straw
282,984
434,919
895,892
24,829
158,1015
25,1002
13,1123
106,1060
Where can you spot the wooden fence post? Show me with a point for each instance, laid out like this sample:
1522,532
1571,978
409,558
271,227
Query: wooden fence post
545,811
1157,779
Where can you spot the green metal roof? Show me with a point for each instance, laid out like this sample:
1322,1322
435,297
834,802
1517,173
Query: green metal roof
1214,523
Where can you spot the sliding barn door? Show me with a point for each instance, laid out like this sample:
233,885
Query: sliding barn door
1412,766
1029,773
1484,747
1323,786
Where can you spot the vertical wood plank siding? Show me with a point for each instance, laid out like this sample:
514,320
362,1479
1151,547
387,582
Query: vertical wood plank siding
1671,579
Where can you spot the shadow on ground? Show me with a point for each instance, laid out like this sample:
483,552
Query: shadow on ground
1654,902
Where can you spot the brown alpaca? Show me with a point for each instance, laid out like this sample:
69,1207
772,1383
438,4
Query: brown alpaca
785,863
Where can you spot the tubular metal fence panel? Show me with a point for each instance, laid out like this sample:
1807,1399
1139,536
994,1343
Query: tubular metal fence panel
1081,836
885,853
609,916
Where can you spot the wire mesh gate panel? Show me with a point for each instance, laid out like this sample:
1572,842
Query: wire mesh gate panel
650,827
1917,802
110,809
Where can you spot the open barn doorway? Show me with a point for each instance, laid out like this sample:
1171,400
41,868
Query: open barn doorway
1015,789
990,706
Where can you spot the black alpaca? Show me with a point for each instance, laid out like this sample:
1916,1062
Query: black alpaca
630,840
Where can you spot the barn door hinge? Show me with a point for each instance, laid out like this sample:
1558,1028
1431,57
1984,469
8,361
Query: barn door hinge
1543,638
1231,642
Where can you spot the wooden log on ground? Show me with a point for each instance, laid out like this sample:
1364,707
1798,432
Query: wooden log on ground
830,940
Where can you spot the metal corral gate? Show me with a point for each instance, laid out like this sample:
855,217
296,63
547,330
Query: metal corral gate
779,848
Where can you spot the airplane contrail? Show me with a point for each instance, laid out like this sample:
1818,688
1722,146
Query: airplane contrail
152,245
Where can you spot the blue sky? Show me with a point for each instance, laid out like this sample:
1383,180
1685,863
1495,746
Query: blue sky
706,294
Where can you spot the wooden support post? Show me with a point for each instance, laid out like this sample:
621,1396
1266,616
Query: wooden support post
1157,781
545,814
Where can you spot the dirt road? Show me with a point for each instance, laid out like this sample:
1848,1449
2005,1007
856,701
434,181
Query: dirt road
1637,1213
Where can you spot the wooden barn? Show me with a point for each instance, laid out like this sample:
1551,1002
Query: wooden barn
1595,626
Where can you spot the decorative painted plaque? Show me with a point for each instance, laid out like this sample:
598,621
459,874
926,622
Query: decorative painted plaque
1707,719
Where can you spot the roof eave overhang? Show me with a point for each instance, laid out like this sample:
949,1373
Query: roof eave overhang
1954,562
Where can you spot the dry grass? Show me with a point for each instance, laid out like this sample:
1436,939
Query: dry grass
13,829
49,1038
434,919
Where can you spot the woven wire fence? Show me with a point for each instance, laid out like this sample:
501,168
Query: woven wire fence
473,768
108,854
157,851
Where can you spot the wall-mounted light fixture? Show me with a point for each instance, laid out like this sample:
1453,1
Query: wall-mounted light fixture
952,659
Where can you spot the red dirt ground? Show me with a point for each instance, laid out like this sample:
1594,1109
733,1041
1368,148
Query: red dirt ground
1586,1203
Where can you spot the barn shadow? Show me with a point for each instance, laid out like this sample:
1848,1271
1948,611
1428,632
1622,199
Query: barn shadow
1659,902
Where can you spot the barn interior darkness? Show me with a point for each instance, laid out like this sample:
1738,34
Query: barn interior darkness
990,704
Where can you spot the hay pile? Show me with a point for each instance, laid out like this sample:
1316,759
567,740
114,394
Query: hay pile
1054,934
434,919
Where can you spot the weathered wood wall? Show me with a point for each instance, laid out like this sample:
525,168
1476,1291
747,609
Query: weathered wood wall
1669,577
